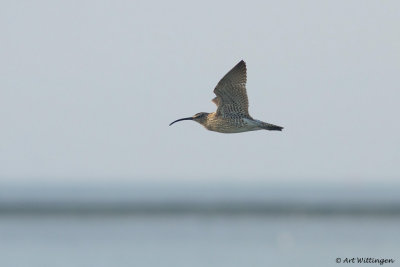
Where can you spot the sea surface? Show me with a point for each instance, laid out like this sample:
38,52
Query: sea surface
198,226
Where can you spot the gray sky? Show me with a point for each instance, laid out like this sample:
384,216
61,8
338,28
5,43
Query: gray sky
88,89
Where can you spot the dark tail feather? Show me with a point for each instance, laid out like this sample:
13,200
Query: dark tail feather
271,127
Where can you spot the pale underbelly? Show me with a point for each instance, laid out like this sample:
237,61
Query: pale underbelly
227,126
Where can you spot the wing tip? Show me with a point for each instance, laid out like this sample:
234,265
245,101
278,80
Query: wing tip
241,67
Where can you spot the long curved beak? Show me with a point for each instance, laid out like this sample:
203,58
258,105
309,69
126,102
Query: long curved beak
189,118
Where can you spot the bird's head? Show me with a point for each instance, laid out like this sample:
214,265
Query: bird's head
200,117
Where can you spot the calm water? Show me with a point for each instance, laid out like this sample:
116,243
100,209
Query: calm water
195,240
199,238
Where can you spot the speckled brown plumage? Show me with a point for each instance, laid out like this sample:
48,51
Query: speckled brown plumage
232,115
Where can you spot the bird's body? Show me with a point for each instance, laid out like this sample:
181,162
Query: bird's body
232,115
237,124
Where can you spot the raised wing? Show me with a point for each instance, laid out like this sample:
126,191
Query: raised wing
231,93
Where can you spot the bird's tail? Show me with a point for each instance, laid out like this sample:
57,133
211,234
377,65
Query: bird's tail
270,127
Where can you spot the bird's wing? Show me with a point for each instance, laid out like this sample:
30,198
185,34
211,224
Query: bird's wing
231,93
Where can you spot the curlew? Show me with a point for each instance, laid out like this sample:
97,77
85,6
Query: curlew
232,115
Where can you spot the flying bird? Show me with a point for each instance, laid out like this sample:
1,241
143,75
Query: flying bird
232,115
